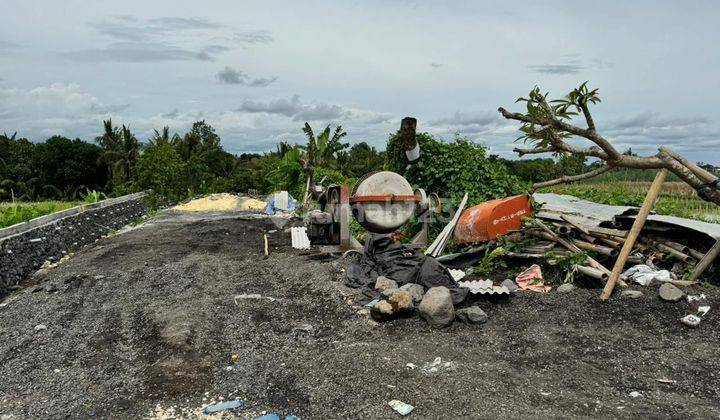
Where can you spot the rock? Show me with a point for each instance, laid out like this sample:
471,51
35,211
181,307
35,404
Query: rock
691,321
631,294
635,394
383,283
670,293
416,291
437,307
566,288
40,327
396,302
510,285
51,287
471,315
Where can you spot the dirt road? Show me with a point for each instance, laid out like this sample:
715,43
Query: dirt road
144,324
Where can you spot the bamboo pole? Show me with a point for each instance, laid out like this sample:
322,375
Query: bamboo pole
577,226
592,272
569,245
679,255
637,226
705,262
610,252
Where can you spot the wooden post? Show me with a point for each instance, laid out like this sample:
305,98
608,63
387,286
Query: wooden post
637,226
408,125
705,262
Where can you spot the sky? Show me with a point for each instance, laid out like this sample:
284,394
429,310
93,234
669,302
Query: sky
257,71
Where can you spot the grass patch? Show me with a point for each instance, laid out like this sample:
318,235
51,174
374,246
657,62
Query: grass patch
13,213
675,199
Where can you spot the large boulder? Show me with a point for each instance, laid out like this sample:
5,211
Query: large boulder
437,307
416,291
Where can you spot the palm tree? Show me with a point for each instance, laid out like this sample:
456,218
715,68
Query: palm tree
161,137
121,150
322,150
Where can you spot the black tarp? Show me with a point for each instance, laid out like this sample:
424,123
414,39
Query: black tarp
385,257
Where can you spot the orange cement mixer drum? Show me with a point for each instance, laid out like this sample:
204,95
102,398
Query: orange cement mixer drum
491,219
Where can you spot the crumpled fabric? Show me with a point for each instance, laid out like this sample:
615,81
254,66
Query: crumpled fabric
531,279
645,275
385,257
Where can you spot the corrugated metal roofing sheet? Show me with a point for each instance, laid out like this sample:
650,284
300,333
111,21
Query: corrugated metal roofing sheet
484,287
594,214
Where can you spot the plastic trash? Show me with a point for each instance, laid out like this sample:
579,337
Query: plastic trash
401,407
645,275
225,405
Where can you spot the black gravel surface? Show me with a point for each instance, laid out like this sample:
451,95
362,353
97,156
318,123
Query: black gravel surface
146,324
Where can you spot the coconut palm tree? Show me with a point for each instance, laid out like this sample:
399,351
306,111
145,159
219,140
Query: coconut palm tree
161,137
121,151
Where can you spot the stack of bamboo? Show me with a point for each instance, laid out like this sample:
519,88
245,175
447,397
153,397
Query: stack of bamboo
603,245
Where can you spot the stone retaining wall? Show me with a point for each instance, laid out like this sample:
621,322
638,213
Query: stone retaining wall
26,246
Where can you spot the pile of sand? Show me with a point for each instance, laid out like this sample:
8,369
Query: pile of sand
222,202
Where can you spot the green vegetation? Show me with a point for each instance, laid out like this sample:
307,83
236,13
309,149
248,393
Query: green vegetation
12,213
453,168
176,166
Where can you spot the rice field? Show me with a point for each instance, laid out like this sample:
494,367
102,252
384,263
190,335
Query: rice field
13,213
676,198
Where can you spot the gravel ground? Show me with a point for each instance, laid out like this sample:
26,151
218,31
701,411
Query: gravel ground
144,323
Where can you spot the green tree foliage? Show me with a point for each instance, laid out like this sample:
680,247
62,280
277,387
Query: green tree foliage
360,159
454,168
159,169
322,151
67,167
121,151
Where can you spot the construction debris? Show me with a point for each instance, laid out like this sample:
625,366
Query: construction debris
401,407
531,279
299,237
437,247
484,287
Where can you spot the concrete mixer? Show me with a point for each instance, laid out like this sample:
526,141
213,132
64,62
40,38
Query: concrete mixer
381,202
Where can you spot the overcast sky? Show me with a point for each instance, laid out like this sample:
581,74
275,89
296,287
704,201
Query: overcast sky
256,71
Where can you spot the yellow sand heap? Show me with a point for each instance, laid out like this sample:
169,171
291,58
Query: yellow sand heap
222,202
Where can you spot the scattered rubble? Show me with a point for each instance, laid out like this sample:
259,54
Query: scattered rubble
631,294
415,291
401,407
670,293
395,303
565,288
471,315
510,285
383,283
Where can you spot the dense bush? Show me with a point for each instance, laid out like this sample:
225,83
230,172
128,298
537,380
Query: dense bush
453,168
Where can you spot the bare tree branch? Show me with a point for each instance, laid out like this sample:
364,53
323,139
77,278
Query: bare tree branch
573,178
